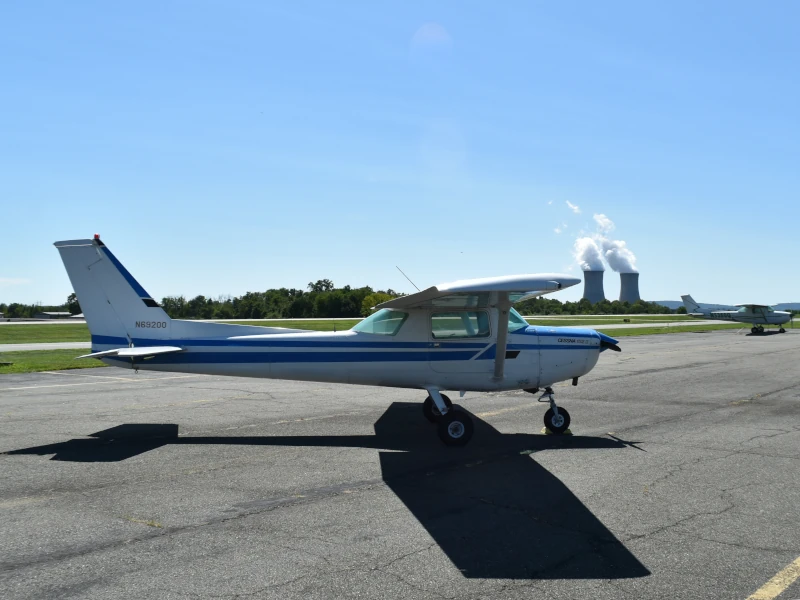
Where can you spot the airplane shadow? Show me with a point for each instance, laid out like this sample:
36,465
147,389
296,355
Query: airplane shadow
490,506
764,333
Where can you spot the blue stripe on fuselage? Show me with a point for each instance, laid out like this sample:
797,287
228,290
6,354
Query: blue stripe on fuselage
249,350
270,343
300,357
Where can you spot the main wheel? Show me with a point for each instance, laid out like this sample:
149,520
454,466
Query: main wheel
556,424
781,330
753,330
455,428
431,412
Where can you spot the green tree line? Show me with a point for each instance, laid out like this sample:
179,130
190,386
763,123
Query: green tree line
551,306
15,310
322,299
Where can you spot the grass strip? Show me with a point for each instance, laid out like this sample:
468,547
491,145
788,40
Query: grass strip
35,334
45,360
617,333
79,332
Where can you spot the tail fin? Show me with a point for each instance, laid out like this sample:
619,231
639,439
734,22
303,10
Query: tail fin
690,304
113,302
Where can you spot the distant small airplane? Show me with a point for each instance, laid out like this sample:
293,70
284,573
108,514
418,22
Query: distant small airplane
756,315
462,336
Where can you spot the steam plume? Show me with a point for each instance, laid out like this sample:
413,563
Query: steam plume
591,251
618,255
604,224
588,255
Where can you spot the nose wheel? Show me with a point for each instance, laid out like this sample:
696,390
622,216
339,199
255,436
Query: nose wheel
556,419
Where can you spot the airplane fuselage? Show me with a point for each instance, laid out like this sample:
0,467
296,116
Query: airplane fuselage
413,358
751,317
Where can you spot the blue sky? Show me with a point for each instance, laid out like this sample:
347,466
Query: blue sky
221,147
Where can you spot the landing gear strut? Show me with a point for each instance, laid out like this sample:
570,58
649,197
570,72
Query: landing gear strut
455,426
431,412
556,419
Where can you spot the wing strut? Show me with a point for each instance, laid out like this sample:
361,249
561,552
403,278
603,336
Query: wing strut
503,305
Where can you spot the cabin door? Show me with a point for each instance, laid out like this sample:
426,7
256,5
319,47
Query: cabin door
461,341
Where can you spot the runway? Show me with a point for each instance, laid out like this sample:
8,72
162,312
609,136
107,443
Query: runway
681,481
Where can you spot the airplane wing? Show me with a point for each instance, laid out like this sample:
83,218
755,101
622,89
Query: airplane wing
138,352
478,293
753,305
499,292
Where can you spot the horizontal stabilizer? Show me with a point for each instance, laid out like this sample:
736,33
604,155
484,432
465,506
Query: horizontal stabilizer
141,352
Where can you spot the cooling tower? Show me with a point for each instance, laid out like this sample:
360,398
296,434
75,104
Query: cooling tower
593,286
629,287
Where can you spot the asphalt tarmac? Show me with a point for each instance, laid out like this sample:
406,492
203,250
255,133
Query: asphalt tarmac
681,480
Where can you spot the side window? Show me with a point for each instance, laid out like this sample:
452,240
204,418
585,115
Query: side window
460,324
383,322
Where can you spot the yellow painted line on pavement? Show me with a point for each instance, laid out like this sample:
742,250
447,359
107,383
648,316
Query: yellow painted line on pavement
494,413
778,584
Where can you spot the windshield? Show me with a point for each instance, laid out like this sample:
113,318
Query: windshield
515,321
383,322
756,309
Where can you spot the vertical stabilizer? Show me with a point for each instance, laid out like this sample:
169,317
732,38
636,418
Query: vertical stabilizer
690,304
113,302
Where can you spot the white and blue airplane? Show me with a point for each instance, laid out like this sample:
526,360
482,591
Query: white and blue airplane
756,315
462,336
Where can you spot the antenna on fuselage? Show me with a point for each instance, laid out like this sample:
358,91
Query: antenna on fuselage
406,276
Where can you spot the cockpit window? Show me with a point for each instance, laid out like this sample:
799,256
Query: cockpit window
383,322
758,310
515,321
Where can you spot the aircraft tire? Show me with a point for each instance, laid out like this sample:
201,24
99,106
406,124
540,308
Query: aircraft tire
753,330
556,425
781,330
431,412
456,428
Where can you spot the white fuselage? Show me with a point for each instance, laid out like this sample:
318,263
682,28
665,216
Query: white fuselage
750,315
413,358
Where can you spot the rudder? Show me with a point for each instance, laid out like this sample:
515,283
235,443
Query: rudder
690,304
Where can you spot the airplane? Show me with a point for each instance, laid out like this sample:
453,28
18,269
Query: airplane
462,336
757,315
